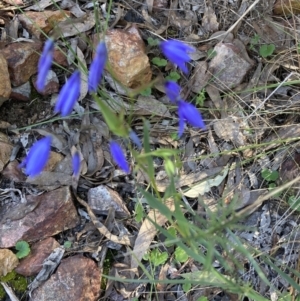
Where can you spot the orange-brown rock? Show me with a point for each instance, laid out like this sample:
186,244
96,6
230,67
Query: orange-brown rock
42,216
32,264
127,58
286,7
5,87
38,22
22,59
77,278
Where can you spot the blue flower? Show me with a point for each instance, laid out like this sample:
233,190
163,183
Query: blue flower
76,164
118,156
172,90
37,157
188,113
176,52
68,95
135,139
44,65
97,67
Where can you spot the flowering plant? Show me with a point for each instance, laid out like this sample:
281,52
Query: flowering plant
175,51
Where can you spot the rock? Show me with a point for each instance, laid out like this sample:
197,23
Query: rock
286,7
52,83
32,264
21,93
101,198
128,60
77,278
228,66
22,59
5,87
38,22
8,261
42,216
5,150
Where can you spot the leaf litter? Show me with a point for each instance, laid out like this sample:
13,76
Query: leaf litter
247,71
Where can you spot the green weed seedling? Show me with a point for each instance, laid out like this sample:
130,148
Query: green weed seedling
173,76
270,176
67,244
266,50
200,98
23,249
159,62
156,257
181,255
152,42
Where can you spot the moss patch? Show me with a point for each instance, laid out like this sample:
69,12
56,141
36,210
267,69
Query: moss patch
17,282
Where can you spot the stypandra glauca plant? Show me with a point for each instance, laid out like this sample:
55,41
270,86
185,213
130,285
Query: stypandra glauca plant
208,240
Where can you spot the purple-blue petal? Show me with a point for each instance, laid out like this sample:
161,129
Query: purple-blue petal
76,164
176,52
37,157
172,90
190,114
44,64
97,67
133,136
68,95
118,156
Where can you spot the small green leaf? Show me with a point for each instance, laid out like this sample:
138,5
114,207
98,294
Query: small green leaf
180,255
269,175
67,244
159,62
202,298
200,98
158,258
152,42
23,249
138,212
266,50
186,287
173,76
146,92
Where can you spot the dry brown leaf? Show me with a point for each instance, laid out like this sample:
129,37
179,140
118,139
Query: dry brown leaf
8,261
200,76
83,75
73,27
41,5
101,198
148,105
209,20
5,150
73,7
147,233
229,130
57,140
